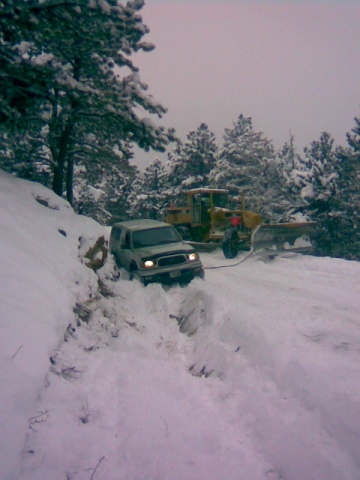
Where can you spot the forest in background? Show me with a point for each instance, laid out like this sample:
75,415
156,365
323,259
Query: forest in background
71,110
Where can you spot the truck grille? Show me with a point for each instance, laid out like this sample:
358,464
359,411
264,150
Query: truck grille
175,260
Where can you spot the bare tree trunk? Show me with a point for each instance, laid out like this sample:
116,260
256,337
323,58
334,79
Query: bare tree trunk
70,130
69,179
59,168
58,180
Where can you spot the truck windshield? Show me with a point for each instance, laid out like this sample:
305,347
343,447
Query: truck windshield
155,236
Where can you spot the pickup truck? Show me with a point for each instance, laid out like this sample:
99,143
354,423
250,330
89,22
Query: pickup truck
153,251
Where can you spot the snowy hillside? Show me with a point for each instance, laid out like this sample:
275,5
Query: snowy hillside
251,374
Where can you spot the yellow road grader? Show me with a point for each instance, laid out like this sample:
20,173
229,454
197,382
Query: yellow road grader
207,222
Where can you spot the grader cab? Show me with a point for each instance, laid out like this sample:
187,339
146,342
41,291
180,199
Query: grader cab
208,221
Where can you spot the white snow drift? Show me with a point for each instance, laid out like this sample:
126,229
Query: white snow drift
250,374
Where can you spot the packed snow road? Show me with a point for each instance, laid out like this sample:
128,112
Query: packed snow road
296,322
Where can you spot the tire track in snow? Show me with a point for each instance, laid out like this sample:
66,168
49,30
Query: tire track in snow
293,396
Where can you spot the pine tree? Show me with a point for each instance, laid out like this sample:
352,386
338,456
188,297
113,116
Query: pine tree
81,48
247,166
191,162
101,189
25,79
150,193
322,161
314,178
348,213
22,154
295,172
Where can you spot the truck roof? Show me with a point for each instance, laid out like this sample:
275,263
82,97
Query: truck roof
141,224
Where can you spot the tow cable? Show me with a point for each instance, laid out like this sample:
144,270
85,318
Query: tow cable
233,264
241,261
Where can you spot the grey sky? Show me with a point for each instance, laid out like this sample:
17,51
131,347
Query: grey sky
291,66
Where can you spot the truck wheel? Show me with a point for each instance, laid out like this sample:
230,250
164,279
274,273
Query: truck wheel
201,274
230,244
133,270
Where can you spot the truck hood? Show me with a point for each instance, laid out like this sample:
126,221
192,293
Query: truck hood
165,249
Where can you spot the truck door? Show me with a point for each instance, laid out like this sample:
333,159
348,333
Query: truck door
125,253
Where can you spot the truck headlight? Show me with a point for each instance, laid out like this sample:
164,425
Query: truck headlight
193,257
148,264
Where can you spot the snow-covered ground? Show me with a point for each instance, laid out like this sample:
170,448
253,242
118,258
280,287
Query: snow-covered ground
251,374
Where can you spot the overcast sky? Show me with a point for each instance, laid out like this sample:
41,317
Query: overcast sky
290,65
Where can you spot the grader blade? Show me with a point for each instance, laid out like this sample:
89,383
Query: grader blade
281,238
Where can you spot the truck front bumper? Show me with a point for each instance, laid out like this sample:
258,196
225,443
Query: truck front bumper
185,273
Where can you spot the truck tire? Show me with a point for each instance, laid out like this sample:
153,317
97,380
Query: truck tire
230,243
133,270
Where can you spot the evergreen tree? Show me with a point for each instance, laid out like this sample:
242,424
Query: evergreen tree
24,78
322,159
314,178
150,193
101,189
23,155
247,166
80,48
348,214
191,162
295,172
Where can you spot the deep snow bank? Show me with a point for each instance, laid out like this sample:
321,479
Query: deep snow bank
41,280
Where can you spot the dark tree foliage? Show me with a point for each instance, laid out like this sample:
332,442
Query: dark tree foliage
150,193
23,82
248,167
78,52
191,162
348,214
290,165
22,154
320,194
319,187
101,189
